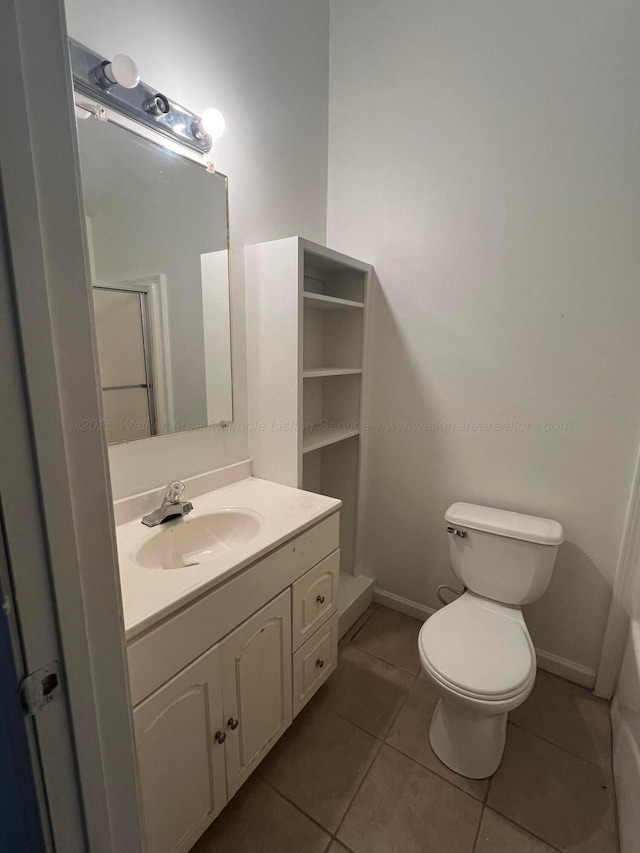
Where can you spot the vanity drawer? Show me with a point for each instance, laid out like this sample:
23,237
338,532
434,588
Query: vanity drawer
314,663
315,598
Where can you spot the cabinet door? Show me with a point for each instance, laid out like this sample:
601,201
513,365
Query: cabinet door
256,679
181,765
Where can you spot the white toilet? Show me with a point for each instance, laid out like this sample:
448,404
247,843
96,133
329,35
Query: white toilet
477,650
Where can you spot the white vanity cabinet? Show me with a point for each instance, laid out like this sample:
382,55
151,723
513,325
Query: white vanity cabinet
263,642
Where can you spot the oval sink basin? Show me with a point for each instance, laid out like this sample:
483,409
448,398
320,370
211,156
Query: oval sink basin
192,541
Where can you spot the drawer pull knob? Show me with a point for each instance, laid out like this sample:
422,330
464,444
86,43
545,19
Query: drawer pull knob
320,663
320,599
233,724
220,737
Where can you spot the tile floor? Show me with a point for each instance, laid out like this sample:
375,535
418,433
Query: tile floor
356,774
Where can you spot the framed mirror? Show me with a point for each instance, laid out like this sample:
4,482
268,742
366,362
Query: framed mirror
158,233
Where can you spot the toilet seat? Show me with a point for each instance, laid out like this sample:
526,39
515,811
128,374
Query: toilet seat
478,648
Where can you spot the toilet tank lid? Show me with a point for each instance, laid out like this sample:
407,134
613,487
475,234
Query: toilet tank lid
529,528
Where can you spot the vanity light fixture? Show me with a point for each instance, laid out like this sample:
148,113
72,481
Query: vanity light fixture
116,86
121,70
210,125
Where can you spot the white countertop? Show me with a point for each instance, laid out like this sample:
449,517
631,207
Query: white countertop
149,595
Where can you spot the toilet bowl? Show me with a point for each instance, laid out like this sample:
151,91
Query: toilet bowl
480,657
477,651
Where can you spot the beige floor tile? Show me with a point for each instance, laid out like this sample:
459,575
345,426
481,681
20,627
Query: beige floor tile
499,835
403,808
557,796
391,636
336,847
410,734
366,690
569,716
319,764
259,819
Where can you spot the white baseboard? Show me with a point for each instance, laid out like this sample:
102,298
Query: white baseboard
402,605
567,669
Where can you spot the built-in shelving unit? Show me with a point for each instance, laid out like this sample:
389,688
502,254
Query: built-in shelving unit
306,323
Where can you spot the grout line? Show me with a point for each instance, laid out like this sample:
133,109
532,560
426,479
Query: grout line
433,773
524,829
362,728
563,748
384,660
380,744
357,791
477,836
486,794
400,709
298,808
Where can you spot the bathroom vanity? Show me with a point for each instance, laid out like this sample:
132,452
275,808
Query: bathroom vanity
231,617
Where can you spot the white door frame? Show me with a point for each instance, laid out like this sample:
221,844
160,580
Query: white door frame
55,479
154,288
625,588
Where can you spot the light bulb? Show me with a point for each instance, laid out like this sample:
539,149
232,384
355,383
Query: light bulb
211,123
122,70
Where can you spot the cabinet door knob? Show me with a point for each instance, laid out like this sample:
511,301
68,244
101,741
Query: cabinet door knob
220,737
320,663
233,724
320,599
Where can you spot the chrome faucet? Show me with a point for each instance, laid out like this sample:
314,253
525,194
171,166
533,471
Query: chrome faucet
171,505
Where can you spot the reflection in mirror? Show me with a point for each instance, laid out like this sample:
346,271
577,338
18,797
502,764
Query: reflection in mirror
158,237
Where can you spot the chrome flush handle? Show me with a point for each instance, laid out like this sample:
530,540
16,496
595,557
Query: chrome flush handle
455,531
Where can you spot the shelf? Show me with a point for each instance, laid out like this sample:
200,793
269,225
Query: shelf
320,436
329,303
318,373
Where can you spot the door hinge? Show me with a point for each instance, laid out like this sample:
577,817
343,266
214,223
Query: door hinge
40,687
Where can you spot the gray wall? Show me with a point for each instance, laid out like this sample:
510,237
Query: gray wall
265,66
484,156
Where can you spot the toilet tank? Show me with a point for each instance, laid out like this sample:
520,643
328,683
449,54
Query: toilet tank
501,555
